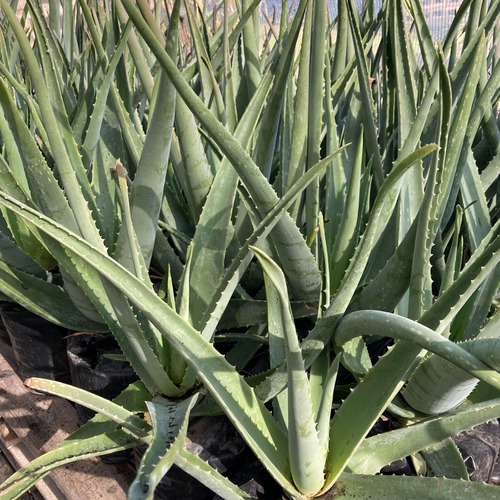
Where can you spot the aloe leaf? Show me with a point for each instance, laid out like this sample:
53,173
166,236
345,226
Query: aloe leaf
470,186
44,299
13,156
251,51
30,250
169,420
178,369
29,245
68,34
129,240
25,97
207,78
69,451
124,82
298,147
13,256
216,42
103,187
210,241
325,408
133,138
315,111
440,314
133,398
277,348
111,410
412,193
210,477
379,216
439,82
366,487
454,259
490,329
394,273
367,100
346,238
438,386
356,359
457,135
445,460
20,143
364,405
405,84
147,188
174,212
377,451
131,337
425,39
46,184
295,258
138,55
244,312
269,125
242,406
382,323
353,125
228,81
454,29
196,174
420,293
325,268
341,42
94,127
477,214
43,183
305,451
97,437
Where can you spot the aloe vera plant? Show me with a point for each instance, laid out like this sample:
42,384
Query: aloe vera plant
208,164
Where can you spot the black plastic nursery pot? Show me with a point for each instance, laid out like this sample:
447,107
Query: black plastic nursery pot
4,335
39,347
93,371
